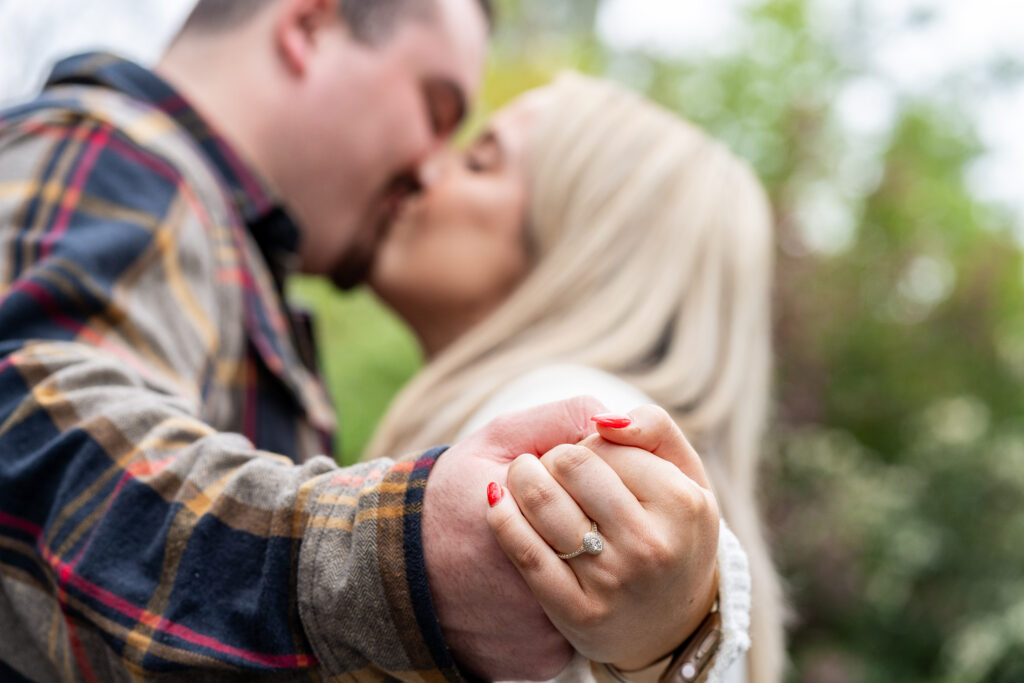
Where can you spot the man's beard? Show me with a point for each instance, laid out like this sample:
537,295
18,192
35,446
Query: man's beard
354,267
356,263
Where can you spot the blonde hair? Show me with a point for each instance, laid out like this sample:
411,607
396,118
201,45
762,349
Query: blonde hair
653,248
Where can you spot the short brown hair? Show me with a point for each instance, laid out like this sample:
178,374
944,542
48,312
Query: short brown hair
369,20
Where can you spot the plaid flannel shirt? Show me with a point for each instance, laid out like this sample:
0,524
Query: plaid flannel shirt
163,508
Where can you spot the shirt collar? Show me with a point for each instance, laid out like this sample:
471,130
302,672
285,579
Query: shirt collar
274,231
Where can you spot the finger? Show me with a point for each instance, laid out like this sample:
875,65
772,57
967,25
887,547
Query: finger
548,507
656,483
539,429
552,580
652,429
642,472
595,487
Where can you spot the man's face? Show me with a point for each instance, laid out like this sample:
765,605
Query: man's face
365,119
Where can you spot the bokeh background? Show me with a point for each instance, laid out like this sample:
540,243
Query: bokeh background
889,134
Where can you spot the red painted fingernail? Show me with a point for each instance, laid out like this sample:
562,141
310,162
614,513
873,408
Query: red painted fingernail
612,420
494,493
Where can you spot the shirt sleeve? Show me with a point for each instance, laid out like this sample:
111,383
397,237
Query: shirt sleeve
132,534
560,381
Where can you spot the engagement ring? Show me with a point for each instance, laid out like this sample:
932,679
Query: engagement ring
592,544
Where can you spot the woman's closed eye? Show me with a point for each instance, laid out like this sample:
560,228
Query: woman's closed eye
485,154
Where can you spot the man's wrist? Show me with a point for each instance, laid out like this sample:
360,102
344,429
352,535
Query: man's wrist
365,521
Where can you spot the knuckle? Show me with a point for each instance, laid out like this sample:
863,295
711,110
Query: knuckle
502,426
536,496
698,505
659,553
609,582
711,511
653,551
657,426
517,475
529,558
564,460
686,502
503,525
593,614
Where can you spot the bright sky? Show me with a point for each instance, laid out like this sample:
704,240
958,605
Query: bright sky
35,32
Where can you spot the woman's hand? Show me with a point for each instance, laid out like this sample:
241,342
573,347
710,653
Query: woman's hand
654,580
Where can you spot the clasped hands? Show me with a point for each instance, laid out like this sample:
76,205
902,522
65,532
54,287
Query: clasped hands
508,606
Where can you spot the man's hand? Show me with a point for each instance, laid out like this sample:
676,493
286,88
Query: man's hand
488,614
654,581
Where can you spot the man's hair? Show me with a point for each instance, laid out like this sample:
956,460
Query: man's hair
369,20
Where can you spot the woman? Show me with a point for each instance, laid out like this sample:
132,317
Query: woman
590,242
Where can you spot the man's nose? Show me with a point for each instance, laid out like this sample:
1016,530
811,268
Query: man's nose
431,168
430,146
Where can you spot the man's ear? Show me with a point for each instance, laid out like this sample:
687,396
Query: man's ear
298,28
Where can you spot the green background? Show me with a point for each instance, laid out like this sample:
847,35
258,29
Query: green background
894,473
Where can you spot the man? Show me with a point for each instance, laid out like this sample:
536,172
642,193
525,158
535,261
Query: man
151,378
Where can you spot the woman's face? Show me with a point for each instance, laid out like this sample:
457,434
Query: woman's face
458,249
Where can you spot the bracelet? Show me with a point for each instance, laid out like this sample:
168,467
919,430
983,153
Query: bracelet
691,661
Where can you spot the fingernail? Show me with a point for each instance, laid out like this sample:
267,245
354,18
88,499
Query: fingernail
612,420
494,493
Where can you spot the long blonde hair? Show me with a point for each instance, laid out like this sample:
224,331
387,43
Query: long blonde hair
653,248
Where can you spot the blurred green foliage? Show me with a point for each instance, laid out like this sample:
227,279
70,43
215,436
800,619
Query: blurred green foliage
895,471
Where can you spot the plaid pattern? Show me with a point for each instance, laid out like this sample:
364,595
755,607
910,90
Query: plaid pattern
163,509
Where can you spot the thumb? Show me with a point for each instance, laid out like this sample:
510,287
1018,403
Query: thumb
539,429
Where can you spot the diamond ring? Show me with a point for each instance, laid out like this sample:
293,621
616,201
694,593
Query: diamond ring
592,544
